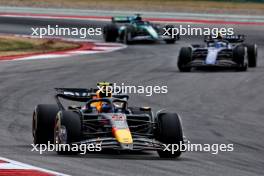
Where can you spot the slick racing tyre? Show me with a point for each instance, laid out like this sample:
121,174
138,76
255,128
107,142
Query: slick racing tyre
239,57
128,33
184,58
43,122
169,131
173,39
252,51
110,33
67,130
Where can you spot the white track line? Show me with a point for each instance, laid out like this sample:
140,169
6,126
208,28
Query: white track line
99,47
11,164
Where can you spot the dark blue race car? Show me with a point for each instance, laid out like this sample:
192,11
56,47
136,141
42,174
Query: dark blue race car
228,52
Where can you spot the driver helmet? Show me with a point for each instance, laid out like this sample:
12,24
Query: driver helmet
138,17
106,107
106,93
218,44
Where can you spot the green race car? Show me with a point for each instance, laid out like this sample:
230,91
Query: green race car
132,29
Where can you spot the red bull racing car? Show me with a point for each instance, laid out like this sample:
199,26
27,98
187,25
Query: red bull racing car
105,119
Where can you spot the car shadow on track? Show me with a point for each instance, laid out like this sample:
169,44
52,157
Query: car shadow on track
111,154
216,70
107,154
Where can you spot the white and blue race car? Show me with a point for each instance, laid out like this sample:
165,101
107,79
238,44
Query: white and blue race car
228,52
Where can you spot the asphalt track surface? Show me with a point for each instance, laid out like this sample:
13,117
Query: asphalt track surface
215,106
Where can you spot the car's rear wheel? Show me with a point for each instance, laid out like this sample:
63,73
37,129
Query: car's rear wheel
239,57
169,131
184,58
252,52
110,33
67,130
43,122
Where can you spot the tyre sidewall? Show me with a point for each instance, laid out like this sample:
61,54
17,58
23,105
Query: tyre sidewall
43,123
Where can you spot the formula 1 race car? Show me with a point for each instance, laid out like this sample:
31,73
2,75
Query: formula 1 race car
133,28
228,51
107,120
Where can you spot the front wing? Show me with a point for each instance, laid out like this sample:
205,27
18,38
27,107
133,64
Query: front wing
138,144
219,63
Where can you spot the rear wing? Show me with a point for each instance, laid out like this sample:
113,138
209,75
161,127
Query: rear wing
122,19
235,38
75,94
229,38
81,95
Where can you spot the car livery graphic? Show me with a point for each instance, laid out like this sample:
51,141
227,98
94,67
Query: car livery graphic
228,51
132,28
105,118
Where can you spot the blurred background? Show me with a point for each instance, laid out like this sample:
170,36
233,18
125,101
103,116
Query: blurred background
205,6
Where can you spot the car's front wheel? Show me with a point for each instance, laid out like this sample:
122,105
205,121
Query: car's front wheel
252,51
67,130
169,132
172,38
128,32
239,57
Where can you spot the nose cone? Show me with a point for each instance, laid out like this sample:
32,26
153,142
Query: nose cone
123,136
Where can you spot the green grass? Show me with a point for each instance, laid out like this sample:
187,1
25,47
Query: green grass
10,45
6,45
